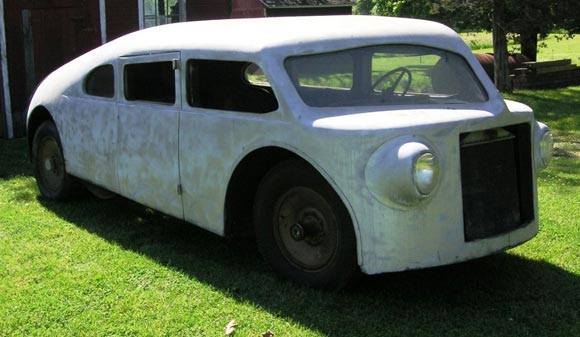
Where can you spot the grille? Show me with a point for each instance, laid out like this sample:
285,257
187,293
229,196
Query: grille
496,181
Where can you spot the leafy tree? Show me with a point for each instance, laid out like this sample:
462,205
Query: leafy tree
363,7
524,20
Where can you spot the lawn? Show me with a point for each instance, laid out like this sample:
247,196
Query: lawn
113,268
551,48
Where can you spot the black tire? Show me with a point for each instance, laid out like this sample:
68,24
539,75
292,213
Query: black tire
303,230
48,163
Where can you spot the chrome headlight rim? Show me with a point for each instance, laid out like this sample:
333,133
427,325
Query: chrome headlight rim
426,157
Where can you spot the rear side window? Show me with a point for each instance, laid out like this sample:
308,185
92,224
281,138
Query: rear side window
229,85
151,82
101,82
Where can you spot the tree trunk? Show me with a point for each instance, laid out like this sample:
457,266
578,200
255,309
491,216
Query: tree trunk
500,55
529,44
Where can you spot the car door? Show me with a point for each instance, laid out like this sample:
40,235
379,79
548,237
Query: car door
217,98
147,156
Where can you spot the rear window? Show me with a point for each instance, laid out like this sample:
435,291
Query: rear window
385,75
100,82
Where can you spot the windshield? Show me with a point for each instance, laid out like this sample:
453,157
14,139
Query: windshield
384,75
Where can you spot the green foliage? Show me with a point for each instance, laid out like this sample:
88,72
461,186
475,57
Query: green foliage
538,16
363,7
552,47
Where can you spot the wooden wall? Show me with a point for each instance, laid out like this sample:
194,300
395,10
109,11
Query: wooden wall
42,35
247,9
207,9
308,11
122,17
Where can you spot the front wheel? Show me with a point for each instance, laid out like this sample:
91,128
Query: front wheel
49,166
303,229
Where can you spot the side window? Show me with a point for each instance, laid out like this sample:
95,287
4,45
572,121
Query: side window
101,82
229,85
151,82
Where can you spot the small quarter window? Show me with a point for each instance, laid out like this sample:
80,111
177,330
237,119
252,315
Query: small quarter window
229,85
255,76
152,82
101,82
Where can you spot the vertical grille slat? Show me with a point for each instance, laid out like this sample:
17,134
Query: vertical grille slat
496,181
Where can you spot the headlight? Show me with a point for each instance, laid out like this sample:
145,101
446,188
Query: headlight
425,173
546,148
403,172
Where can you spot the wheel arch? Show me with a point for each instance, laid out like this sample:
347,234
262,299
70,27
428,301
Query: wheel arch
36,117
244,181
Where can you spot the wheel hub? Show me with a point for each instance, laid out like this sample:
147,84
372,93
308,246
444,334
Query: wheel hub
297,232
306,228
48,164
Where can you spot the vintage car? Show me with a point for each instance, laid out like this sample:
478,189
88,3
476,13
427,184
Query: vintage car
343,144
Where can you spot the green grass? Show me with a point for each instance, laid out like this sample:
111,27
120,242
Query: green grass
550,48
113,268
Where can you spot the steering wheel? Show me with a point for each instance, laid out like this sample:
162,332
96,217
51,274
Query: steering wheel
390,90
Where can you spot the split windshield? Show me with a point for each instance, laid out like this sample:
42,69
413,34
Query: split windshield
384,75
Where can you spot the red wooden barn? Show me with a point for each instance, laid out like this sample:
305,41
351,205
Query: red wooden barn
37,36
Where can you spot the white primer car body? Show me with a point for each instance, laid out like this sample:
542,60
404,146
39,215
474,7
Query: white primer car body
180,159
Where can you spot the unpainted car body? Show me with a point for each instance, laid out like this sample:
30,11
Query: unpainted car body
203,165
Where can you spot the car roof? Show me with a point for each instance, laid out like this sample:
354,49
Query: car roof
292,34
265,41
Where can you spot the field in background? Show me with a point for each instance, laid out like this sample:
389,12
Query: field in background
481,42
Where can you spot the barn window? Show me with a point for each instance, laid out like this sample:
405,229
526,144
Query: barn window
152,82
229,85
160,12
101,82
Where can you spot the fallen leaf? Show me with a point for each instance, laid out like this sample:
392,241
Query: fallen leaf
268,334
230,327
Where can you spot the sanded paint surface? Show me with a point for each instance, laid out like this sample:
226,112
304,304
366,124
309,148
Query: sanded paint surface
148,150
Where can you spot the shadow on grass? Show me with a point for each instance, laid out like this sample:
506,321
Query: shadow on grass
562,171
502,295
14,159
558,108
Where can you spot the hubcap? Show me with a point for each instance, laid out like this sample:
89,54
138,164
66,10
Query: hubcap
297,232
305,229
48,164
51,171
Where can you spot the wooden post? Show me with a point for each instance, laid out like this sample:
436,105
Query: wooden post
8,132
500,71
29,64
103,20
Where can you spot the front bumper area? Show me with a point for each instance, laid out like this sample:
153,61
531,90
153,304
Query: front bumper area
426,252
436,233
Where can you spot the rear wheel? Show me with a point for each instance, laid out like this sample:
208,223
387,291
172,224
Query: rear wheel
303,229
49,166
